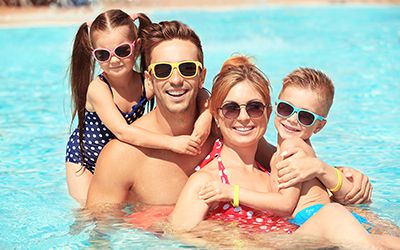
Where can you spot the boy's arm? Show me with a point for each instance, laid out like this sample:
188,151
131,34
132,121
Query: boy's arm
202,126
281,203
299,167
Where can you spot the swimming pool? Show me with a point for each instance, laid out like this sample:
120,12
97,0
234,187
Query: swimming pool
357,46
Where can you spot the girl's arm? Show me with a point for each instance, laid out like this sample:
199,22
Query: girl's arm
202,126
189,210
102,102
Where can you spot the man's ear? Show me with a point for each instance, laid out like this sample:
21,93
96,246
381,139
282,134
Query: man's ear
202,77
320,125
148,85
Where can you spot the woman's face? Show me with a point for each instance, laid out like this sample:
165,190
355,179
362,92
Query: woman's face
243,130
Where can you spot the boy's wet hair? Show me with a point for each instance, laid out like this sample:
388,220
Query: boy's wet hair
314,80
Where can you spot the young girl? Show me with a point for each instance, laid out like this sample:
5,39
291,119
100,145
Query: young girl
108,104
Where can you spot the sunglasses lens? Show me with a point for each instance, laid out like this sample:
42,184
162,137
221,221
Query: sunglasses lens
162,70
101,55
231,110
123,51
188,69
306,118
255,109
284,109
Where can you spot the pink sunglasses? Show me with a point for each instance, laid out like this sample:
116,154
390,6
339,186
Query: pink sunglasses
123,50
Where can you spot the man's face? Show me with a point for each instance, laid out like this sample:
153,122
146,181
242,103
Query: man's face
175,93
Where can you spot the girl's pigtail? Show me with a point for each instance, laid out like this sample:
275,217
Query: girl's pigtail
81,74
144,21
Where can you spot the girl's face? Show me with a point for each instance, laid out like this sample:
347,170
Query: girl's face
304,99
110,40
243,130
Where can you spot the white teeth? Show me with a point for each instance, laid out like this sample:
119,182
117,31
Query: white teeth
176,92
290,128
243,129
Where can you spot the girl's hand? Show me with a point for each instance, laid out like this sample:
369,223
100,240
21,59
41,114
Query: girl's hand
297,167
185,144
216,191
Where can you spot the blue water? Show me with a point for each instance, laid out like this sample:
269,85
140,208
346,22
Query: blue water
359,47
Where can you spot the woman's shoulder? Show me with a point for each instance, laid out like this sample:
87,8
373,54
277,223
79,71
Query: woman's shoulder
207,173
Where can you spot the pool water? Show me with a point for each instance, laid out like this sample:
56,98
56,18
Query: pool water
359,47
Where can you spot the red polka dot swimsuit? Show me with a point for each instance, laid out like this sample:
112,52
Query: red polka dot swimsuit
247,218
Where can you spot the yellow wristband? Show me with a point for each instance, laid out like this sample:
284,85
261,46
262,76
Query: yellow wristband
339,181
236,190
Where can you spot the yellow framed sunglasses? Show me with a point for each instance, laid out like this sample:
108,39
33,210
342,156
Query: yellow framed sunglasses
163,70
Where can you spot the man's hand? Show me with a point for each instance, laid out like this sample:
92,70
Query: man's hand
362,187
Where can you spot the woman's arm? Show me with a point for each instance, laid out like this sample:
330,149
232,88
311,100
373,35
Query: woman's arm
102,102
190,210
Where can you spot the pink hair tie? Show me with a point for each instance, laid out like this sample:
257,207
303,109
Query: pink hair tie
134,16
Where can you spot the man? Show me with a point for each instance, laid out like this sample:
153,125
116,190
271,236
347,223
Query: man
173,58
137,174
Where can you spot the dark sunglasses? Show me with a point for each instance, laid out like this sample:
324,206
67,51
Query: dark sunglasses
122,51
231,110
304,117
163,70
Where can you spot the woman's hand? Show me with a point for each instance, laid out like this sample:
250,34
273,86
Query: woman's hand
216,191
362,187
185,144
296,167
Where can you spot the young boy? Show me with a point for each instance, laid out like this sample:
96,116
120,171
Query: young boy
301,110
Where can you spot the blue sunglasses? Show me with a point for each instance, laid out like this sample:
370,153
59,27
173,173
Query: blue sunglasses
304,117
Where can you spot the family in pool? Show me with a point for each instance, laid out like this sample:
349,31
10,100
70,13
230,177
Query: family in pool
204,154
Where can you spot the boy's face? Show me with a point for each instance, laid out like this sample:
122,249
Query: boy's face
304,99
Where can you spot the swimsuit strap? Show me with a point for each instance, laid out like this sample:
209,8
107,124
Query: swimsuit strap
104,79
216,150
222,173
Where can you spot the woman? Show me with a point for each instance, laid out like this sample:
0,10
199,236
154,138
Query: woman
240,104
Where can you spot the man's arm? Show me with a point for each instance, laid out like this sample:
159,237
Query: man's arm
110,183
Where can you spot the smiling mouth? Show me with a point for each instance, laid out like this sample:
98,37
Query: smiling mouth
243,129
176,93
291,129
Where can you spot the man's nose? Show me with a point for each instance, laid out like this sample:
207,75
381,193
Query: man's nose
176,78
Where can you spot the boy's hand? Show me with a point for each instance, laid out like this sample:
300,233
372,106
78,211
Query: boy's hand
296,167
185,144
362,187
216,191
